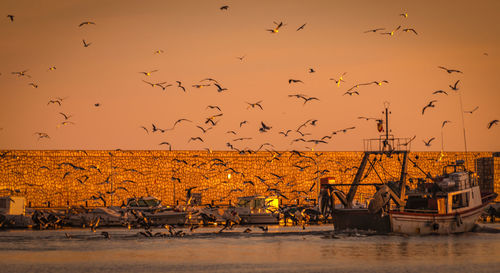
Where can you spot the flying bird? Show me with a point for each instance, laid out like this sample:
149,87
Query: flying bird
224,8
472,111
374,30
428,142
255,104
341,79
85,44
294,81
148,73
410,29
493,122
454,87
86,23
430,104
264,128
439,92
22,73
159,51
311,70
241,58
179,84
195,138
66,117
392,32
33,84
219,88
11,17
276,29
350,93
450,70
301,27
214,107
444,123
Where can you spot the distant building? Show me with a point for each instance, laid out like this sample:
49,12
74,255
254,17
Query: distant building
488,171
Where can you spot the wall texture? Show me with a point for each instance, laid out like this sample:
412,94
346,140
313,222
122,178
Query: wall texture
83,177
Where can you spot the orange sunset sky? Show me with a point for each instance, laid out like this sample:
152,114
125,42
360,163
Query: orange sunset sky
198,40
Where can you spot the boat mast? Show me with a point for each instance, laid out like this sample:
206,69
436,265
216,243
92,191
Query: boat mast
463,128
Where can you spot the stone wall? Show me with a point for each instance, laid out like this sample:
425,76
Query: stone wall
81,177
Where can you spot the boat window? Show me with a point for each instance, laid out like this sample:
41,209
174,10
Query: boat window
460,200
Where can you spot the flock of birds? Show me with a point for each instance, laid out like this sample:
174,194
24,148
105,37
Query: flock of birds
213,119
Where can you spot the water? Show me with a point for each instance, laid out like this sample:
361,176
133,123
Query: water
282,249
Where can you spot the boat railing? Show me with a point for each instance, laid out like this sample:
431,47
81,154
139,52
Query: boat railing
422,210
386,144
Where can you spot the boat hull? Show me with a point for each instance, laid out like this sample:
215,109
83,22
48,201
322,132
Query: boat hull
433,223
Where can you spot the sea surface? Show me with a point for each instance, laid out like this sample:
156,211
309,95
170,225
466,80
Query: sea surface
281,249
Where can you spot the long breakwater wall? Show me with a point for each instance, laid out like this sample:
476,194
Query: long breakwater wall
60,178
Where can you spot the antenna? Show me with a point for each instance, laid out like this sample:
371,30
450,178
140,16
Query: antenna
463,127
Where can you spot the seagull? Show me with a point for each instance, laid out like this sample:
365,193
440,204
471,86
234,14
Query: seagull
200,85
430,104
42,135
439,92
428,142
493,122
160,84
311,70
350,93
454,87
392,32
145,129
294,81
404,14
255,104
219,88
21,73
54,101
410,29
159,51
243,122
374,30
166,143
450,70
33,84
241,58
214,107
195,138
341,79
85,44
444,123
11,17
224,8
86,23
285,133
66,117
149,73
301,27
472,111
264,128
276,29
180,86
52,68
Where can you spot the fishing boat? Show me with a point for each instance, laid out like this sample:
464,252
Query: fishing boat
154,211
256,210
450,203
444,204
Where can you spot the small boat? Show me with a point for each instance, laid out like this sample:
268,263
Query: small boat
451,203
152,209
255,210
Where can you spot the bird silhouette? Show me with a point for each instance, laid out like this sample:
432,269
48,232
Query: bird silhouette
341,79
392,32
195,138
264,128
252,105
241,58
311,70
472,111
34,85
276,29
148,73
454,87
301,27
373,30
444,123
428,142
166,143
86,23
85,44
219,88
294,81
11,17
430,104
224,8
491,123
410,29
404,14
243,122
450,70
439,92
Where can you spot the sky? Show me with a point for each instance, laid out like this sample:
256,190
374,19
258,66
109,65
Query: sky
198,40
